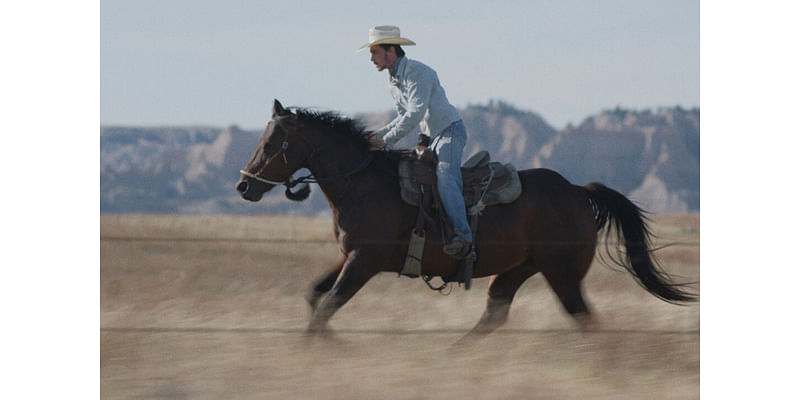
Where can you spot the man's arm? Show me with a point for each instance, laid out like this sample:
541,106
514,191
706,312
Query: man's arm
381,132
419,86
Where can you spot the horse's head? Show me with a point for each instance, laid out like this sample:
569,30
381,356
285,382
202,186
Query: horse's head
280,152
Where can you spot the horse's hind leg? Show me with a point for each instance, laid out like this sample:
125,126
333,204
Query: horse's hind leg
501,292
323,284
567,286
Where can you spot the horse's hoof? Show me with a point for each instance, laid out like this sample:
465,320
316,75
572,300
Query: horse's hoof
468,339
317,330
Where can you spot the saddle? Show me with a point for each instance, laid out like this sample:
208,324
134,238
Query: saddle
485,183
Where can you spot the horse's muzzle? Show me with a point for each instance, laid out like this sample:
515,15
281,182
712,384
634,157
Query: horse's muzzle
250,189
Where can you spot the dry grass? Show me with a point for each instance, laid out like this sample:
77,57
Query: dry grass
224,319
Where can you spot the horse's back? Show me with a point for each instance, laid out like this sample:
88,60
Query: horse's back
543,182
543,177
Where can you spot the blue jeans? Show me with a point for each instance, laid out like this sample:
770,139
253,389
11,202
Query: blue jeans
449,146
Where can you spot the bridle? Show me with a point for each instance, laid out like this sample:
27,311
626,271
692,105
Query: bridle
256,176
310,178
260,179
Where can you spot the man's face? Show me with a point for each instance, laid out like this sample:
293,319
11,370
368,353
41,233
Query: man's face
382,58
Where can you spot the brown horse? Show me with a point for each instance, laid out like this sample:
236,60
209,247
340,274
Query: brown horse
551,228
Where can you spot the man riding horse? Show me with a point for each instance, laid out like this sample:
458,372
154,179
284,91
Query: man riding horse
421,101
551,227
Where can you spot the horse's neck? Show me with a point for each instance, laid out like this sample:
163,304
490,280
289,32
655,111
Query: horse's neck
337,173
353,192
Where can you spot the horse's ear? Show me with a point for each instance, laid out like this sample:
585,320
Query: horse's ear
278,110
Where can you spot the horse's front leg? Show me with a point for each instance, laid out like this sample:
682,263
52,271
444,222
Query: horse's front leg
351,278
323,284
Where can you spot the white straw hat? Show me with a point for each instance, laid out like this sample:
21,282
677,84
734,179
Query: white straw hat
385,34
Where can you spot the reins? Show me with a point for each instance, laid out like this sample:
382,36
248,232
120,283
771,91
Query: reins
310,178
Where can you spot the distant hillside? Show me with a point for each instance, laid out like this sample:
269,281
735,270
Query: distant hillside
652,156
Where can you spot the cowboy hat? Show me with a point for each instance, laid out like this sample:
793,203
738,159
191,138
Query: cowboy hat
385,34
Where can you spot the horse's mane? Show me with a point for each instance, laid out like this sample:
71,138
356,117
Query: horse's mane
348,129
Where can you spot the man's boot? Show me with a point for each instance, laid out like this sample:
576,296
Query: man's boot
456,248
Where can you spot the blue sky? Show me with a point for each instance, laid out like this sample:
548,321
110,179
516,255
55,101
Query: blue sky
221,63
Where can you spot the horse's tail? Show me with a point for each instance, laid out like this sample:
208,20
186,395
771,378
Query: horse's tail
612,209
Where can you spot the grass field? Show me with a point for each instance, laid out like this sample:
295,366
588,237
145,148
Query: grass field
209,307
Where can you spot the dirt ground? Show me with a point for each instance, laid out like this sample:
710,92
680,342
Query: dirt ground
209,307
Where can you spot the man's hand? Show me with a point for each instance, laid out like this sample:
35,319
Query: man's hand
423,140
375,143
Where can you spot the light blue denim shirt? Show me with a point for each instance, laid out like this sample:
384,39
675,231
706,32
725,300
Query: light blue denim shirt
420,100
